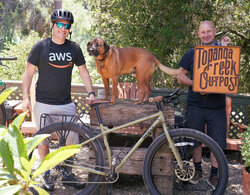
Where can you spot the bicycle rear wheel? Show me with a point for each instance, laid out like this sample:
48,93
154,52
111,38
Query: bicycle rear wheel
185,140
2,114
90,155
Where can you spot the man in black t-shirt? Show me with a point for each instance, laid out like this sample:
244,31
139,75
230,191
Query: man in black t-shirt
204,109
54,58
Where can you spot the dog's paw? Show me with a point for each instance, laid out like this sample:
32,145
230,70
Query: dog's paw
112,101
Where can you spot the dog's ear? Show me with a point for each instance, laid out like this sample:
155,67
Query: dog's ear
88,43
106,47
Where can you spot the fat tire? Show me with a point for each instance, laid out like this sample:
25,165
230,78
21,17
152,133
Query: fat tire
215,148
2,114
85,133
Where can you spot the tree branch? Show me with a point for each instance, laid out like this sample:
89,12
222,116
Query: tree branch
234,32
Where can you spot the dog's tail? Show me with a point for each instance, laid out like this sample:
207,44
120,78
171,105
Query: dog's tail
167,70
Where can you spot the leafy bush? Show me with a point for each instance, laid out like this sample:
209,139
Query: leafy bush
16,174
245,148
21,51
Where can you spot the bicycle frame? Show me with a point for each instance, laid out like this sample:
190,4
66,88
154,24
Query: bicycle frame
105,130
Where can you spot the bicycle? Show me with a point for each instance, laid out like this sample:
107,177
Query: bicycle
89,164
3,85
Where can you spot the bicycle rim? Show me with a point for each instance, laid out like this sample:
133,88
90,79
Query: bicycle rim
159,161
90,155
2,114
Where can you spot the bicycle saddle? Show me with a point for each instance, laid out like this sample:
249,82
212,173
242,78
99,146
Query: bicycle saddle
93,102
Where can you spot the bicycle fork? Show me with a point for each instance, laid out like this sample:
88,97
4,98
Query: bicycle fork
171,143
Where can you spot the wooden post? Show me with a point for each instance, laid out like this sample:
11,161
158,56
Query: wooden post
58,4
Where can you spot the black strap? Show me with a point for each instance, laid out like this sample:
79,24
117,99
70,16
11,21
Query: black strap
92,92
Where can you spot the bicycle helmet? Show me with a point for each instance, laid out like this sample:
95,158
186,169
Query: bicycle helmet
63,15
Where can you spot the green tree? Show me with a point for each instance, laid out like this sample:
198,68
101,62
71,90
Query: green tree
33,25
165,28
81,34
21,51
169,28
18,17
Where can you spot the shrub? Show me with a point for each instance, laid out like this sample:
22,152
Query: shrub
245,148
16,174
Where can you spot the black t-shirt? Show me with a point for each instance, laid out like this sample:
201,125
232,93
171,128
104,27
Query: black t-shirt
211,100
55,64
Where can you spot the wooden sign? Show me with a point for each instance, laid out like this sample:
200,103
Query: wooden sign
216,69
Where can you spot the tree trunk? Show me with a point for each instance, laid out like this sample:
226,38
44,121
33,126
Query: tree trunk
58,4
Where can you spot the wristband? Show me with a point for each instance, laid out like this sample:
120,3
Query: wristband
92,92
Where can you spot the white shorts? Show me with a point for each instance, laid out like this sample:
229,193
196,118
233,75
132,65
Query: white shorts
66,109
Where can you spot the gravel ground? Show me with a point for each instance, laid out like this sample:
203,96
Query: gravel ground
133,185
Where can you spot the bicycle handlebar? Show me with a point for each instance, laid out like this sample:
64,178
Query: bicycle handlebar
154,99
168,98
9,58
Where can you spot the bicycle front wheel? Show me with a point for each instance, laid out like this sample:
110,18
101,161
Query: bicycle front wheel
2,114
89,156
159,163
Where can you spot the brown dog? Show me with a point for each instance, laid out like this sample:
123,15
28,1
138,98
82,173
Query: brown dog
112,62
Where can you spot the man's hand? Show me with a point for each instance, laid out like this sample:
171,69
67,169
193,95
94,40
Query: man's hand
92,97
225,41
26,105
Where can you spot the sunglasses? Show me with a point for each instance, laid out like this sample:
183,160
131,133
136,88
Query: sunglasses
60,25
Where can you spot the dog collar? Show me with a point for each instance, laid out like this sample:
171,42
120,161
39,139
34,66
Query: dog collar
101,60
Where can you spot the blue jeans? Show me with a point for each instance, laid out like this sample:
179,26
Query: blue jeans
215,120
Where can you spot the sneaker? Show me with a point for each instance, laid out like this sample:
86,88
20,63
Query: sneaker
213,181
197,177
64,169
48,182
70,180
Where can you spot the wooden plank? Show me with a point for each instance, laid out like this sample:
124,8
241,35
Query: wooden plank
162,168
126,111
131,130
234,144
28,127
162,165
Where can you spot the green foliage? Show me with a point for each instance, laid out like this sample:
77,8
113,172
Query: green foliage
6,93
21,51
18,17
15,165
8,18
245,148
80,34
165,28
169,28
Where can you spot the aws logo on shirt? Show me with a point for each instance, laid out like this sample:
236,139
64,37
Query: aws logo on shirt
56,57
